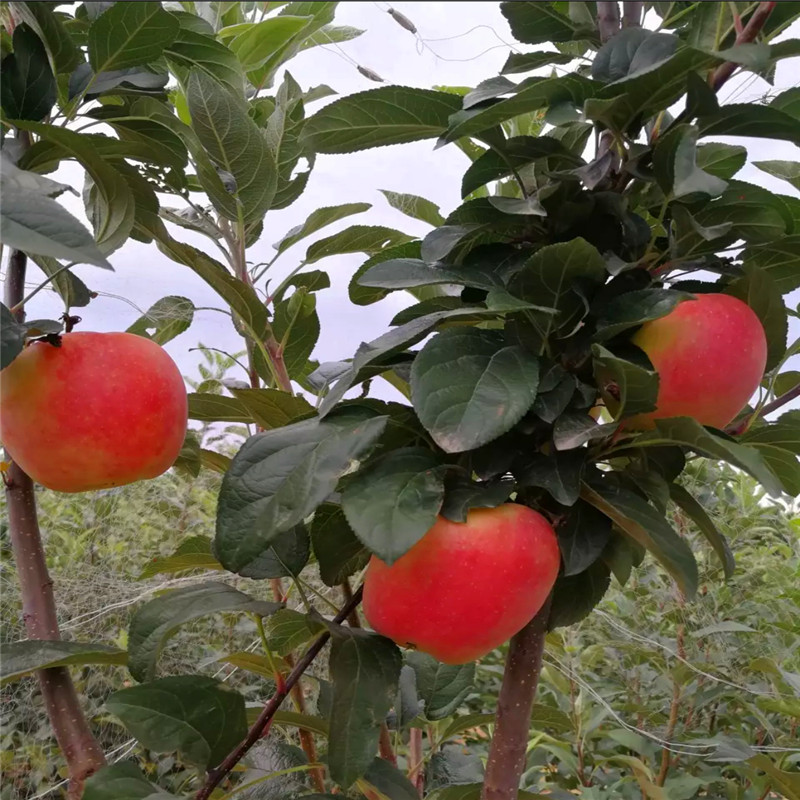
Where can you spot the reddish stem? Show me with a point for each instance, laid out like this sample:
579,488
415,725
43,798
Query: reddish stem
415,773
773,405
748,34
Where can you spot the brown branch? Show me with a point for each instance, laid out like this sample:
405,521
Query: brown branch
780,401
632,14
385,745
353,619
512,722
216,775
81,750
748,34
607,19
675,705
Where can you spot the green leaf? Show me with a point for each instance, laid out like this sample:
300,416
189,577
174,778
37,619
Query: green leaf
389,781
785,170
582,537
533,94
159,619
414,206
574,429
453,765
751,119
192,553
34,223
535,22
779,446
690,433
639,520
339,553
392,502
364,669
550,278
28,90
389,115
575,596
758,290
166,318
705,525
235,144
257,42
356,239
73,290
279,477
441,687
272,408
559,473
721,160
295,325
122,781
634,308
472,791
129,35
783,781
675,165
285,556
114,209
64,55
26,657
319,219
12,336
525,62
363,296
627,388
468,387
287,630
199,717
779,259
631,52
411,273
462,494
331,34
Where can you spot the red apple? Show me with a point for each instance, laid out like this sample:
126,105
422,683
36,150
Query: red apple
710,354
101,410
465,588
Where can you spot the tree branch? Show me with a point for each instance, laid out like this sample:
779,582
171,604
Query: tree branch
261,725
512,722
773,405
748,34
607,19
632,14
81,750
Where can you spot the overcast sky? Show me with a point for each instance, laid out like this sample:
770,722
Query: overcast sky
464,43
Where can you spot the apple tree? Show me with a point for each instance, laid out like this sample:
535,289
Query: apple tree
583,320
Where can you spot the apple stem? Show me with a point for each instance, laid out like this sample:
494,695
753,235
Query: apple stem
512,722
81,750
215,776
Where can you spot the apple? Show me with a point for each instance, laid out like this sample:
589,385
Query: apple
465,588
101,410
710,354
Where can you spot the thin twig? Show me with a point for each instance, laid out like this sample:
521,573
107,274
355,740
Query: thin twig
607,19
415,759
216,775
675,705
512,722
768,408
749,33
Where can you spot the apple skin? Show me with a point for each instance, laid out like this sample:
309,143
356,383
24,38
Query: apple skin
710,354
465,588
101,410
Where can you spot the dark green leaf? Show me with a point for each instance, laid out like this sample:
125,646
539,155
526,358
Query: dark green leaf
779,259
559,474
462,494
129,35
218,408
24,658
287,630
634,308
441,687
12,336
122,781
235,144
279,477
73,290
157,620
392,502
356,239
535,22
758,290
779,446
575,597
632,51
199,717
469,387
284,557
639,520
272,408
722,160
319,219
363,296
706,526
389,781
575,429
410,273
751,119
64,55
524,62
165,319
338,551
365,669
389,115
28,90
675,165
452,766
295,325
626,387
689,433
582,537
415,207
